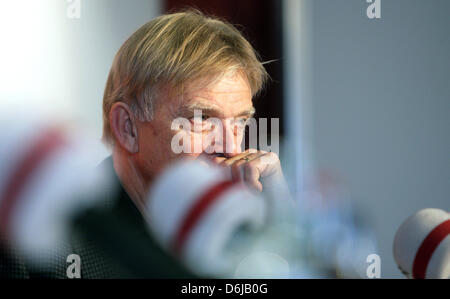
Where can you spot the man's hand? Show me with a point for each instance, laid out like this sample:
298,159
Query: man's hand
256,168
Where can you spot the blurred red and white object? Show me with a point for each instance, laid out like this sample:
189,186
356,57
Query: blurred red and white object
195,209
422,245
46,175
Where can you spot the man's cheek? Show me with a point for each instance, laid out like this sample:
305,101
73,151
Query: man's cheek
196,143
213,142
181,142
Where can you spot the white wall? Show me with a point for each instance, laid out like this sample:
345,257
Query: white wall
60,63
381,107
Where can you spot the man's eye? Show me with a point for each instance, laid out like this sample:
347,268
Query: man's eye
241,122
200,118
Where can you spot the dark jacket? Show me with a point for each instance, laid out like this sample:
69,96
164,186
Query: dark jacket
112,241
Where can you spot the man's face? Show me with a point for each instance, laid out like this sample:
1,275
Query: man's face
228,100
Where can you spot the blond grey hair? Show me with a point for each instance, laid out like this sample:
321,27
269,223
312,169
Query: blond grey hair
171,50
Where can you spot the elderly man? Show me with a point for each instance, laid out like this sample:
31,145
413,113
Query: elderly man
173,67
178,66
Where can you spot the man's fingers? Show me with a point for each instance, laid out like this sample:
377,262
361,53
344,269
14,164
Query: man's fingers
218,160
252,175
252,165
246,156
238,161
231,160
236,169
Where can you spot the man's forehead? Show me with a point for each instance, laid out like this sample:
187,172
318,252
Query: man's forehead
229,94
230,82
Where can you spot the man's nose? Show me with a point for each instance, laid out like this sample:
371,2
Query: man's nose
231,144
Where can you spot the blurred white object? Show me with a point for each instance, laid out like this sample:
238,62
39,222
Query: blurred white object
195,209
46,175
422,245
261,265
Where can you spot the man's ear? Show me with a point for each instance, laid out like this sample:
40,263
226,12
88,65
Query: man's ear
123,126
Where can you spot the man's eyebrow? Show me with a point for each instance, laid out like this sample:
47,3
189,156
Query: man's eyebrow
248,112
200,106
211,109
189,109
